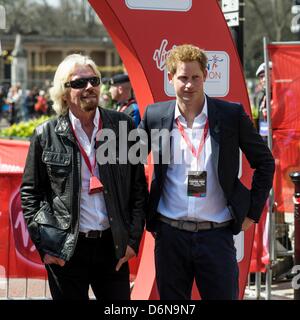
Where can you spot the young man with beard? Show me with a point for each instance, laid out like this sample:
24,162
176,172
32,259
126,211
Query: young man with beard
197,201
86,219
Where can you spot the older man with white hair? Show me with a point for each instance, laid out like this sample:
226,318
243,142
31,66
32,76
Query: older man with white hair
86,219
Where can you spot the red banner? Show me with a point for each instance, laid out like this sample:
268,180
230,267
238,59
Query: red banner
13,155
18,256
285,110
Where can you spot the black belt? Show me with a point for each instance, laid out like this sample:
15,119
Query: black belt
193,226
93,234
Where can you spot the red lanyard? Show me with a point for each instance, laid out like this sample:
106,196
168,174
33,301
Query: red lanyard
85,156
123,108
188,141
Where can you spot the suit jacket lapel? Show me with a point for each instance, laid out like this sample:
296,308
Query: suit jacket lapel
168,119
166,123
214,130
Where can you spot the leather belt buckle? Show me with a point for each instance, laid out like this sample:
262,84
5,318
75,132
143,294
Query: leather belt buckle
189,226
92,234
192,226
204,225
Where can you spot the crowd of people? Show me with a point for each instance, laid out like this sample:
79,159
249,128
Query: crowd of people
17,105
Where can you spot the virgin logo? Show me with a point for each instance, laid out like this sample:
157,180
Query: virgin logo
160,55
25,249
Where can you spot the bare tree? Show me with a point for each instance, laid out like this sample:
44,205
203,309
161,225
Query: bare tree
270,18
71,18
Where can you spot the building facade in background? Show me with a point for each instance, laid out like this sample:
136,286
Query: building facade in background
45,53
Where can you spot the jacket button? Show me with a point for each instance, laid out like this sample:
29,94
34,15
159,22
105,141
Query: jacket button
117,247
111,219
105,191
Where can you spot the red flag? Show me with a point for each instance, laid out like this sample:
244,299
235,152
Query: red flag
285,110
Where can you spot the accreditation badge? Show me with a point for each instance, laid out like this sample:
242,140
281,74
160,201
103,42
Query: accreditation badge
197,182
95,185
263,128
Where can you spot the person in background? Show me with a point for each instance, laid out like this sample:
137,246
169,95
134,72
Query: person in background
197,202
123,97
105,96
28,105
2,101
41,105
86,219
14,99
260,100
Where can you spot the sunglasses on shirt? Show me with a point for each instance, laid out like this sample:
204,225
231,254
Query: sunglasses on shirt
82,83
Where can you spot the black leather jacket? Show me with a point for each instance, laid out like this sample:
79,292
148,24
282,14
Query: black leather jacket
50,190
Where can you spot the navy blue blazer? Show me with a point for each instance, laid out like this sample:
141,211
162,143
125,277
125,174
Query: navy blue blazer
231,130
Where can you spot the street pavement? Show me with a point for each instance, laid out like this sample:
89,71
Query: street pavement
280,290
31,289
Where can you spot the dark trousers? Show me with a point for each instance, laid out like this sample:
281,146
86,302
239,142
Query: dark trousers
207,256
93,263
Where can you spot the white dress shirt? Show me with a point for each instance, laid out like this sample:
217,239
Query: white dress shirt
93,213
174,202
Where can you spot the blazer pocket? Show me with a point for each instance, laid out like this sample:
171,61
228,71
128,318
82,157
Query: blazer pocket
58,168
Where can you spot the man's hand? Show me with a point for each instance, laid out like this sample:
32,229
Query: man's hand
53,260
128,255
247,223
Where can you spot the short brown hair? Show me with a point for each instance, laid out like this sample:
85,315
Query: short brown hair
185,53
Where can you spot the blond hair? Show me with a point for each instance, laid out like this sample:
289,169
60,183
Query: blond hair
185,53
62,75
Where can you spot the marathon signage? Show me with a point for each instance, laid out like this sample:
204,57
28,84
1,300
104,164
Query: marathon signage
18,255
25,249
143,32
217,81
